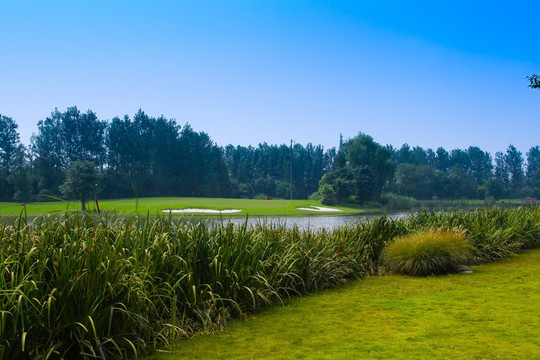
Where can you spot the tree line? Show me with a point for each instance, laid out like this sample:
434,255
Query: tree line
148,156
364,169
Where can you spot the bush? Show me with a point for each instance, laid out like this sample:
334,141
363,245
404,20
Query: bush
427,252
328,195
396,202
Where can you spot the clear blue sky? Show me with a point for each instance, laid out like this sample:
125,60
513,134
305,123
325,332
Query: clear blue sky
428,73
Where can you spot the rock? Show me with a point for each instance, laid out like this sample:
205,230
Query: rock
462,269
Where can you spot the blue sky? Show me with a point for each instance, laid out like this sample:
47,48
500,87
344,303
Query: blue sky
425,73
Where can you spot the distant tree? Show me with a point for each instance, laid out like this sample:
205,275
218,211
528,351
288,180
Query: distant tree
404,155
462,184
501,170
363,151
533,161
63,138
480,164
460,157
365,184
327,195
495,189
283,189
534,81
20,176
9,141
443,160
441,185
419,156
9,144
406,179
81,182
514,163
342,181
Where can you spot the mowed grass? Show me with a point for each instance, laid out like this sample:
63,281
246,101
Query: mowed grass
490,314
156,205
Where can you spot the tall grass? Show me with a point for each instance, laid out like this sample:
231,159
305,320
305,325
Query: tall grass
427,252
84,286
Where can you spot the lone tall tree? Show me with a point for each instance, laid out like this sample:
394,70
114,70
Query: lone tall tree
81,182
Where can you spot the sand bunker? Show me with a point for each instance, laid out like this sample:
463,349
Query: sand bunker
318,208
207,211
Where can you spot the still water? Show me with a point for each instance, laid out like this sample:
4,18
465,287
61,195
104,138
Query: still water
302,222
310,222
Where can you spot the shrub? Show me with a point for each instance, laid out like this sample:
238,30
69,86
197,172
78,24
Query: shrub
427,252
396,202
327,195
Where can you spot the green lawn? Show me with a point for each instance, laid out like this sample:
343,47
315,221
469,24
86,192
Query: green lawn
490,314
154,206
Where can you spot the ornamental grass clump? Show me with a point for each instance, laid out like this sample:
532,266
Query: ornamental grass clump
428,252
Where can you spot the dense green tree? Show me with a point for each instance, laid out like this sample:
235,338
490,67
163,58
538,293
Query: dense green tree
327,195
442,160
534,81
480,164
404,155
533,161
342,181
9,145
63,138
81,182
514,163
460,157
20,176
441,185
415,180
419,156
501,169
406,179
365,184
363,151
495,189
462,184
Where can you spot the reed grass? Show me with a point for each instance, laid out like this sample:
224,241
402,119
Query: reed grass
428,252
84,287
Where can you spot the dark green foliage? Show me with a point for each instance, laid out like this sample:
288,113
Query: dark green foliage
514,165
362,151
495,189
81,183
9,148
534,81
266,166
327,195
429,252
396,202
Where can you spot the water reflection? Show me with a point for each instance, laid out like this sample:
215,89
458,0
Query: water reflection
302,222
310,222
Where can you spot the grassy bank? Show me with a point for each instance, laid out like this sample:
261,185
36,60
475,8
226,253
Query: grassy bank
490,314
82,286
154,206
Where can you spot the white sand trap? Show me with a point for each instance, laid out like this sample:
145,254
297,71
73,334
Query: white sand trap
318,208
207,211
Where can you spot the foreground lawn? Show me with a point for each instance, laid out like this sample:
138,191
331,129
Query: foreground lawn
490,314
155,206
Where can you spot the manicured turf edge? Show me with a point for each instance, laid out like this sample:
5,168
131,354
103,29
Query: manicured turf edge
490,314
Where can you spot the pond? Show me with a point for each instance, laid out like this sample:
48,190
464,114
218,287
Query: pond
311,222
302,222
